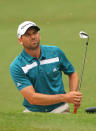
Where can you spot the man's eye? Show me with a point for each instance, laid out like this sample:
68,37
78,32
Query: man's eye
27,34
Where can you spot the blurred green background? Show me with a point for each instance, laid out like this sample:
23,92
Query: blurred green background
60,22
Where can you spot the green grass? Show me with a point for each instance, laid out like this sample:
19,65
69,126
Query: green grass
60,22
47,122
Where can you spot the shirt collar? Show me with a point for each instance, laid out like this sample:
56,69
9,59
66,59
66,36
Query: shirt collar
29,57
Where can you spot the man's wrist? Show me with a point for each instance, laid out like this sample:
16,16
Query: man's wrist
62,97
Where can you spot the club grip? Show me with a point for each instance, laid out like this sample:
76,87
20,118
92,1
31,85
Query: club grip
75,109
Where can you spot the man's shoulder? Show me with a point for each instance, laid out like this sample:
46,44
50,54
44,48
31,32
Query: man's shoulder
16,63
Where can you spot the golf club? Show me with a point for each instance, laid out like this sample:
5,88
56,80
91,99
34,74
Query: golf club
83,35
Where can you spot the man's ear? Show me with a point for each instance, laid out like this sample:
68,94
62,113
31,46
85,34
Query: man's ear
20,41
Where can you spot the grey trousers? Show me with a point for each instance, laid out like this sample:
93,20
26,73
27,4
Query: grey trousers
62,109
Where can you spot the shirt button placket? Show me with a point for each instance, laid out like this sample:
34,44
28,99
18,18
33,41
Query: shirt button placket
39,66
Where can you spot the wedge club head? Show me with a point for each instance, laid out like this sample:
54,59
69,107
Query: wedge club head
84,35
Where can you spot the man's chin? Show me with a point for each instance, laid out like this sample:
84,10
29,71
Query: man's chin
34,46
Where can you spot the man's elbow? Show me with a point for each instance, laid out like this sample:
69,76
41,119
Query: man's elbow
74,75
32,100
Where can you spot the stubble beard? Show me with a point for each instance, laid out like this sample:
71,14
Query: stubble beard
33,47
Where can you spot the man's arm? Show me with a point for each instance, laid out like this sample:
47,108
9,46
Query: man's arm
44,99
73,81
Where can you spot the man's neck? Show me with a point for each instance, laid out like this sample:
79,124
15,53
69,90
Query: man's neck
34,53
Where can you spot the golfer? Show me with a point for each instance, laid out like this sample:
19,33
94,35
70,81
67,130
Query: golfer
37,73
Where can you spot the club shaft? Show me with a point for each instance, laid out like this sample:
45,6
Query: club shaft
83,65
81,76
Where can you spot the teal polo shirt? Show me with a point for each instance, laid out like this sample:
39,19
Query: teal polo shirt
44,74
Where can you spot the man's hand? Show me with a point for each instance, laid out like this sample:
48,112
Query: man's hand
74,97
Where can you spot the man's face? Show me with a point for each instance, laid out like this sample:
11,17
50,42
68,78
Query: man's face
31,39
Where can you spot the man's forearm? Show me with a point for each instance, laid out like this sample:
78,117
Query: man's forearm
73,82
44,99
41,99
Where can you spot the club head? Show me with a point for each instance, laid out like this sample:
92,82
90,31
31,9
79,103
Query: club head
84,35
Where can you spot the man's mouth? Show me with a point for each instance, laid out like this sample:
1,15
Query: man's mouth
33,40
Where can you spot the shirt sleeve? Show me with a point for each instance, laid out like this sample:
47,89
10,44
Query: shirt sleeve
20,79
65,64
